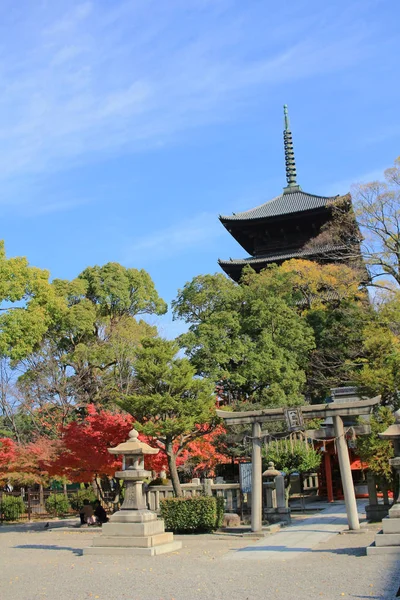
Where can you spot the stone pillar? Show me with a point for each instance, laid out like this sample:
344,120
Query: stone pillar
345,473
372,495
256,480
280,491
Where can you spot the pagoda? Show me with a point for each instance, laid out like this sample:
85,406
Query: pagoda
283,227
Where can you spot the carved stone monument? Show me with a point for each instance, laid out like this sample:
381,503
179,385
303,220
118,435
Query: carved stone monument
387,541
134,529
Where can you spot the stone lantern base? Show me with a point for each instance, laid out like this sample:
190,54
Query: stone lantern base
133,532
387,541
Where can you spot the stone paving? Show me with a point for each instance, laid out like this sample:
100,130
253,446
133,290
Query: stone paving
48,564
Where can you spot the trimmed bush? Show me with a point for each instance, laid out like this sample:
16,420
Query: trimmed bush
11,508
190,515
220,500
57,505
77,499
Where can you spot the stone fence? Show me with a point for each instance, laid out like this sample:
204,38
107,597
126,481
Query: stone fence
230,491
234,500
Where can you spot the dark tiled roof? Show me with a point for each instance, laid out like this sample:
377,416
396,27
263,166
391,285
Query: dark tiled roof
270,258
286,203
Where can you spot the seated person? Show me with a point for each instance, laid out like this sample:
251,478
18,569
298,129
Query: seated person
100,513
87,514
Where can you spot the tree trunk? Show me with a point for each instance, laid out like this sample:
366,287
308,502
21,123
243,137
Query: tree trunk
176,484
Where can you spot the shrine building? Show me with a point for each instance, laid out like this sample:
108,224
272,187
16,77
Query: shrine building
282,228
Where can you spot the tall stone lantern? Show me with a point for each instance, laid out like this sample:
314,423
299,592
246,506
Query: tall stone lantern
387,541
134,529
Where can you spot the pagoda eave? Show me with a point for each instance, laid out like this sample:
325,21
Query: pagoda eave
233,267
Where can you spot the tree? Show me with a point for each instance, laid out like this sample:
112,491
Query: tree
367,234
26,464
84,455
170,405
27,304
246,337
87,354
375,451
377,207
379,367
334,303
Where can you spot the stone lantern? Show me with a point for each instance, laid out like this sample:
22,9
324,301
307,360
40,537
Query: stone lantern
133,474
134,529
388,540
275,509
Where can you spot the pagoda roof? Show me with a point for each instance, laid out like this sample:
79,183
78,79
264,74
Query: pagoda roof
233,267
286,203
282,256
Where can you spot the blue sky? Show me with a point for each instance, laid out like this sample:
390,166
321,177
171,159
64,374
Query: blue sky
127,126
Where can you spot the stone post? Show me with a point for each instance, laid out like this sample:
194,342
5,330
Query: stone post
345,473
256,480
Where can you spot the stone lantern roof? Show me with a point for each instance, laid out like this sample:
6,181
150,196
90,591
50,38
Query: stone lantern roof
133,446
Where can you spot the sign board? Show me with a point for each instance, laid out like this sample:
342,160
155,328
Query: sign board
294,419
245,477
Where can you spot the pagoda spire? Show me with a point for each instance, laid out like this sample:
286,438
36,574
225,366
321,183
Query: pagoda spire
290,163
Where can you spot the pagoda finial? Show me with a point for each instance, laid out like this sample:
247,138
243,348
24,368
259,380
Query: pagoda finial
289,155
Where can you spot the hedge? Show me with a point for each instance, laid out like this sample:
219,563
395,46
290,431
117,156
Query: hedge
77,499
57,505
11,508
193,514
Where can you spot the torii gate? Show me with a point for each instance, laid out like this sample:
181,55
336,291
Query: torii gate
336,410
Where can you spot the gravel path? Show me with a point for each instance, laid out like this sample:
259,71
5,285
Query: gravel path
48,564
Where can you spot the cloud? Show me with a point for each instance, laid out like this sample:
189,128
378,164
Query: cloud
174,240
344,186
92,79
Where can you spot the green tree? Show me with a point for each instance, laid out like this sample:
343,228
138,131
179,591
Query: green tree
246,337
379,367
375,451
170,405
333,302
28,305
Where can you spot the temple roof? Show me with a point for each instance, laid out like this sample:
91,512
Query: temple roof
282,256
288,202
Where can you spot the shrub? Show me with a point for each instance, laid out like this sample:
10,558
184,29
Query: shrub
11,508
57,505
77,499
220,500
189,515
159,481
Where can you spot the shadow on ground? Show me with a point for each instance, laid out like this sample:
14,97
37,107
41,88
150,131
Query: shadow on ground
77,551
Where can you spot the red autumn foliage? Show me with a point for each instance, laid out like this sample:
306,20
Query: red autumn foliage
85,446
81,452
27,464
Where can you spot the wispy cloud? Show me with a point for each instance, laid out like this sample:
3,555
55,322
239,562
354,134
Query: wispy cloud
90,79
174,240
344,186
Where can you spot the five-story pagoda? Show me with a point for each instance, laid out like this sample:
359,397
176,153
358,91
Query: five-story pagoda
283,227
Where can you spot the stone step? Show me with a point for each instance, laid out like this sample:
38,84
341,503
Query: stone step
387,539
127,542
120,551
381,550
133,529
391,525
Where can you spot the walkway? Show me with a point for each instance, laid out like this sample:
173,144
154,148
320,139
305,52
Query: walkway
302,536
